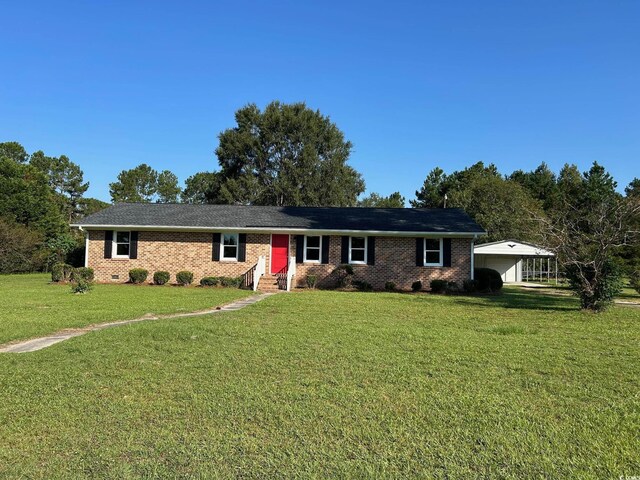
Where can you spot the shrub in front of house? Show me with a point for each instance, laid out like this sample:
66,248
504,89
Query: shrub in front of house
487,280
438,286
184,277
452,287
138,275
390,286
161,277
416,286
81,285
363,286
84,273
61,272
470,286
312,280
343,275
209,282
231,281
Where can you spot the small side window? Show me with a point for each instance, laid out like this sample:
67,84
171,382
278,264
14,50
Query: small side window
358,250
229,247
121,244
312,248
432,252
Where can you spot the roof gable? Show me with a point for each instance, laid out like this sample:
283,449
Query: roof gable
512,247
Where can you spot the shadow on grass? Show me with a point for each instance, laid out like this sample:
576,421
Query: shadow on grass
523,299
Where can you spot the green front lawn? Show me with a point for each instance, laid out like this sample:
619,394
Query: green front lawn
31,306
327,384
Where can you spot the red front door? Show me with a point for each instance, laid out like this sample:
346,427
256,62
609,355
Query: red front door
279,253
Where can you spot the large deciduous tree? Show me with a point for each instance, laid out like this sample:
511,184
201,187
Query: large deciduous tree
20,247
27,199
288,155
501,206
588,230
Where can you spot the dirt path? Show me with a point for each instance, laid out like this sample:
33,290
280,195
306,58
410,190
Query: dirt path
43,342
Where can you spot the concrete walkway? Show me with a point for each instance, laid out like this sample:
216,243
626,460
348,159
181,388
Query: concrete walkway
44,342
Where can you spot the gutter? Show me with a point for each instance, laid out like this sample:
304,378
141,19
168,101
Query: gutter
294,231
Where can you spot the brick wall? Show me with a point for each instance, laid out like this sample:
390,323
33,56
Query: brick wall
175,251
395,261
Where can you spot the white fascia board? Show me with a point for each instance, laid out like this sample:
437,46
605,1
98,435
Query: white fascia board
293,231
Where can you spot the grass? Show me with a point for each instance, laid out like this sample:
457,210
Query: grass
326,384
31,306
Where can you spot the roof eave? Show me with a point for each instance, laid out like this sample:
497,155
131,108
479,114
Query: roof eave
382,233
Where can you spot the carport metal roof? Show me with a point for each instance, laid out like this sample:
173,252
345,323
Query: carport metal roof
512,248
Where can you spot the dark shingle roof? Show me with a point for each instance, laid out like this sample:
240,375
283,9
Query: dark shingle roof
244,217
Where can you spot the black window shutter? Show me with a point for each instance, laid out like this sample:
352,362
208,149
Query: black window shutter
344,257
446,253
215,249
108,243
371,250
299,248
419,252
326,241
242,247
133,245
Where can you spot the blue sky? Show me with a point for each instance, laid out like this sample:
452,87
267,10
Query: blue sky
413,85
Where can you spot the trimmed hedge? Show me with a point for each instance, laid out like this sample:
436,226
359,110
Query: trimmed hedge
210,282
161,277
470,286
487,280
363,286
438,286
82,273
416,286
231,281
184,277
138,275
390,286
61,272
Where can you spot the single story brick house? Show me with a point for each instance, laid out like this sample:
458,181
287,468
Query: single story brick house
265,244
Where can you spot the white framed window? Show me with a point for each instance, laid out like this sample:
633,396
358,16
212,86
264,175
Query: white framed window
358,250
432,252
121,244
312,249
229,247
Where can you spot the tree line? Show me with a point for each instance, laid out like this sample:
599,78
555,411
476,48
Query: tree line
289,154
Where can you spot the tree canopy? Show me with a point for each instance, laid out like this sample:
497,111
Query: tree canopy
39,196
288,155
395,200
503,207
143,184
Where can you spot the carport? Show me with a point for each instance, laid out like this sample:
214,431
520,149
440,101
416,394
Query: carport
517,261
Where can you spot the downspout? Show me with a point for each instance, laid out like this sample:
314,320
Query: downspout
86,246
473,240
